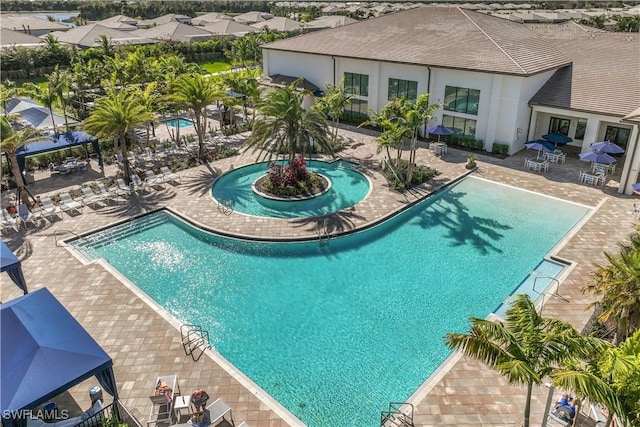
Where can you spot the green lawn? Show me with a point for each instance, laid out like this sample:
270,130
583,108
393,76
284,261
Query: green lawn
40,81
215,66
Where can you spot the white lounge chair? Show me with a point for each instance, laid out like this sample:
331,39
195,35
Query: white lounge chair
26,216
91,198
170,176
217,411
153,179
138,183
49,209
122,188
7,221
108,195
69,204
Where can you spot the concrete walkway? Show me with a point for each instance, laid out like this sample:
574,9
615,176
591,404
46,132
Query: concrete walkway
145,342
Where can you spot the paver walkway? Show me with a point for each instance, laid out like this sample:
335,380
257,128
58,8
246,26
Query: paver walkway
145,343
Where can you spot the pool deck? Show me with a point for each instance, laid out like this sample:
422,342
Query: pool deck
145,343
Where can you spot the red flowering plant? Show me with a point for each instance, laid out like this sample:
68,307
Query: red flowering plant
275,174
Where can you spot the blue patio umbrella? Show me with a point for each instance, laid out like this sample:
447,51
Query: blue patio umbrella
11,264
557,138
597,157
607,147
538,145
439,130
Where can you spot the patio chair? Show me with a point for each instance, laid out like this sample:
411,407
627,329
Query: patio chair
122,188
170,176
217,411
108,195
91,198
69,204
7,221
138,183
163,399
153,179
49,209
26,216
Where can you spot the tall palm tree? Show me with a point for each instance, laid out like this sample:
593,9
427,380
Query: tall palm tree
196,92
416,115
286,127
60,82
115,115
11,140
148,97
332,104
8,90
525,348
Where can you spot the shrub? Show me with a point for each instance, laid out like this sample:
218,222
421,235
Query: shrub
500,148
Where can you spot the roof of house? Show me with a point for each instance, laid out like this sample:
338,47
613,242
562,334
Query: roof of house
89,36
208,18
603,81
634,116
227,27
253,17
448,37
175,31
280,23
118,19
22,23
331,21
17,38
164,19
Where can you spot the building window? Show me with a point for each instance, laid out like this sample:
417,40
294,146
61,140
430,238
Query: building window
406,89
559,125
461,100
460,125
619,136
581,127
356,111
356,84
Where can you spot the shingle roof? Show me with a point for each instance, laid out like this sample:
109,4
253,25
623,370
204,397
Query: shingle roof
89,35
280,23
436,36
20,23
17,38
226,27
603,77
175,31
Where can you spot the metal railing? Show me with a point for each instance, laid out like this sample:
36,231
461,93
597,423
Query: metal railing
194,338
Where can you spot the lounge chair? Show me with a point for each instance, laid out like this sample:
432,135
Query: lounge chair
153,179
49,209
163,399
122,188
170,176
7,221
217,411
91,198
26,216
69,204
138,183
108,195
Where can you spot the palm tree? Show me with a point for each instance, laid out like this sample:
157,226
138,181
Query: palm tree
11,141
8,90
196,92
525,348
115,115
618,285
332,104
286,127
148,98
60,83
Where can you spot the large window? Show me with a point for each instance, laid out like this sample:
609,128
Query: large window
356,84
581,128
461,100
403,89
356,111
559,125
619,136
460,125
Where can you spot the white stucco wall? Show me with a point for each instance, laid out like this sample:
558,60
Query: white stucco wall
315,68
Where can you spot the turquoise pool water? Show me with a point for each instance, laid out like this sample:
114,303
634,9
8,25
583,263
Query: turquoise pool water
181,123
348,187
335,333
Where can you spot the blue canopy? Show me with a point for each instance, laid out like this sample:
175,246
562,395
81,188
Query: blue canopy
11,264
44,351
57,142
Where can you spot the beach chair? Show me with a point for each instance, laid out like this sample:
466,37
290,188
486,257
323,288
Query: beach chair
153,179
49,209
162,400
170,176
69,204
138,183
108,195
91,198
26,216
217,412
122,188
7,221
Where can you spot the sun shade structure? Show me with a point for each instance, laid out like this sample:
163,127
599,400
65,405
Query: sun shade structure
45,351
11,264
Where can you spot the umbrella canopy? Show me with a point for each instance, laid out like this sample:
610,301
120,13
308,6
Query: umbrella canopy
439,130
607,147
636,188
11,264
538,145
557,138
597,157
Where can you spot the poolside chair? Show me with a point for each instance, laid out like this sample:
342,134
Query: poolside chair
108,195
26,216
177,149
122,188
7,221
138,183
49,209
91,198
217,411
153,179
170,176
69,204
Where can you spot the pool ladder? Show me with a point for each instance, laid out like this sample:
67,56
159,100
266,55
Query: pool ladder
323,233
400,414
194,338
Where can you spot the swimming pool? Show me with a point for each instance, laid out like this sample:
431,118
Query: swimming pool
182,123
335,333
348,187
